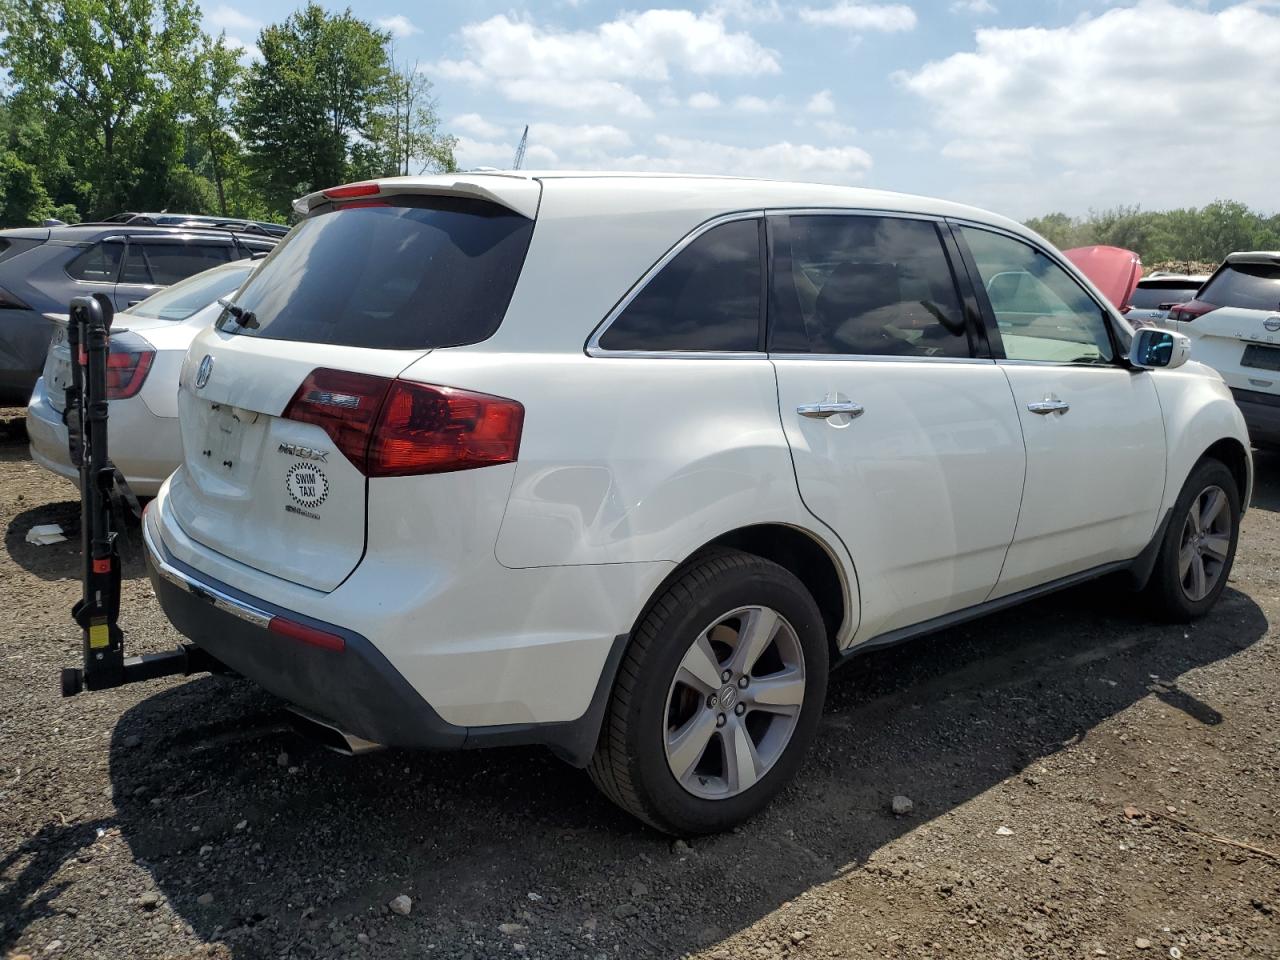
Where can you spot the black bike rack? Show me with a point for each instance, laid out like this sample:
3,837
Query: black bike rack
98,610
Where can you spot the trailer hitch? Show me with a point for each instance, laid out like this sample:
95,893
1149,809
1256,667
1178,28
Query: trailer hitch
98,609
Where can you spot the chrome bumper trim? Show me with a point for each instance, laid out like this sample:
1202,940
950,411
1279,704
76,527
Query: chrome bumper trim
215,597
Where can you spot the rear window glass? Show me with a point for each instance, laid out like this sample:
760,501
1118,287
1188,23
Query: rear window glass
193,294
171,262
1150,297
426,272
1254,286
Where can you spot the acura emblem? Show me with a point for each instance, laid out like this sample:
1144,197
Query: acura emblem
202,374
1272,323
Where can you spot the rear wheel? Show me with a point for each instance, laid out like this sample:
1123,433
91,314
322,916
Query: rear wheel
717,698
1199,545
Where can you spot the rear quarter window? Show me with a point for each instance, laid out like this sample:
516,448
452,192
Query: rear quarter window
99,264
1253,286
413,273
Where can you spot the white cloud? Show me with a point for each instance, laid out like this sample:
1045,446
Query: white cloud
704,101
223,17
248,51
836,130
779,160
399,25
580,139
749,11
594,69
1067,120
973,6
849,15
821,103
474,125
752,104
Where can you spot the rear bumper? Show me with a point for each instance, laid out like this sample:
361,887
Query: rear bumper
1261,414
356,689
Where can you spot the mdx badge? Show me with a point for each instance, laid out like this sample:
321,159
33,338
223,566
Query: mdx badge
204,371
304,453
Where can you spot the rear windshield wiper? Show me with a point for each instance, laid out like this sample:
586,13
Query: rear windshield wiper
243,317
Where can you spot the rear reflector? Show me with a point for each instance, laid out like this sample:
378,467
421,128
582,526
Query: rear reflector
305,634
352,190
397,428
127,372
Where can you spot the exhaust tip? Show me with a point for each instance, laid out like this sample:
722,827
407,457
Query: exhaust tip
329,736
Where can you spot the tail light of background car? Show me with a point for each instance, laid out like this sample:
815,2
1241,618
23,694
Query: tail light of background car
127,371
397,428
1186,312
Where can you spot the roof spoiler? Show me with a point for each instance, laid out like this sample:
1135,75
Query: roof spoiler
517,194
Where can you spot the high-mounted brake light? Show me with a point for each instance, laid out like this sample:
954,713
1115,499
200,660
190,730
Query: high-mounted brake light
397,428
352,190
127,371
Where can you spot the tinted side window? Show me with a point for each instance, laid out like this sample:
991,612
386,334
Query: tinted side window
171,262
135,266
1042,312
1151,296
864,285
99,264
706,299
1253,286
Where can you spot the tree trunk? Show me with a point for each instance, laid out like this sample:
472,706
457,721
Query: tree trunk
217,175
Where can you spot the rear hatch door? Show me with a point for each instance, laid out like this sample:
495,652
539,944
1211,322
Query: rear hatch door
1241,337
365,290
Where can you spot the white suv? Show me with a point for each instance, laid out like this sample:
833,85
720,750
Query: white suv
623,465
1234,326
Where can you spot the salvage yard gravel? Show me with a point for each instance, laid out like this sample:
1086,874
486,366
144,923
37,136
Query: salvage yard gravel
1062,780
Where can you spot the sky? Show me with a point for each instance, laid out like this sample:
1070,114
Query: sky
1021,106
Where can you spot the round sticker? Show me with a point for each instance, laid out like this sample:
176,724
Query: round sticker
307,485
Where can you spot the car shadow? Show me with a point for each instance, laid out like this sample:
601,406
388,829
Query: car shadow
275,847
1266,480
58,561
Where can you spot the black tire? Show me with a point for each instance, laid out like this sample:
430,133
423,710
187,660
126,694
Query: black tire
1166,595
630,763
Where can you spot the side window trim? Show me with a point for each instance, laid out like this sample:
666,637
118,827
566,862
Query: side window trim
975,328
593,348
1118,353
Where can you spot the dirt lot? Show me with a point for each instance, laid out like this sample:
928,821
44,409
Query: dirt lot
181,819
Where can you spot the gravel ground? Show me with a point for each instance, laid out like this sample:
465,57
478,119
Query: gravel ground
1081,784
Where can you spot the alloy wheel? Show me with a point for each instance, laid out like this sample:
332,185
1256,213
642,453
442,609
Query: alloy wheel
1205,544
734,703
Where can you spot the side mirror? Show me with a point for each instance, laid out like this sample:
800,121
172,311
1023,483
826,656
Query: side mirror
1154,348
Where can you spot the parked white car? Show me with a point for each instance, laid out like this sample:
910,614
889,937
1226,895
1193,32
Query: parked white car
453,479
148,343
1158,293
1234,326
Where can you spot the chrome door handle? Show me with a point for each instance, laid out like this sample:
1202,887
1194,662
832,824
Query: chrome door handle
821,411
1046,407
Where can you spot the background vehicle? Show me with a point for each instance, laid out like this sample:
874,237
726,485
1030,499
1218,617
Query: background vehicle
167,219
1234,326
1157,293
42,268
452,480
148,343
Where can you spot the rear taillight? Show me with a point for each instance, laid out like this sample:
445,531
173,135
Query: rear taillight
127,371
396,428
426,429
9,302
344,405
1186,312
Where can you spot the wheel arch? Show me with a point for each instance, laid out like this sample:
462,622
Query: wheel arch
814,561
1232,454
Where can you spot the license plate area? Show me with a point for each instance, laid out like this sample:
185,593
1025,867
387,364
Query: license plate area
1260,357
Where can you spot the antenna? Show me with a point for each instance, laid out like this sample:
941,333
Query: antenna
524,140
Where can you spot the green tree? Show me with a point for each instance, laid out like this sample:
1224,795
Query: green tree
213,85
312,101
103,71
23,199
406,136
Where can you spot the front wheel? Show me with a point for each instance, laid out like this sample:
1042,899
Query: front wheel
1199,545
717,698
